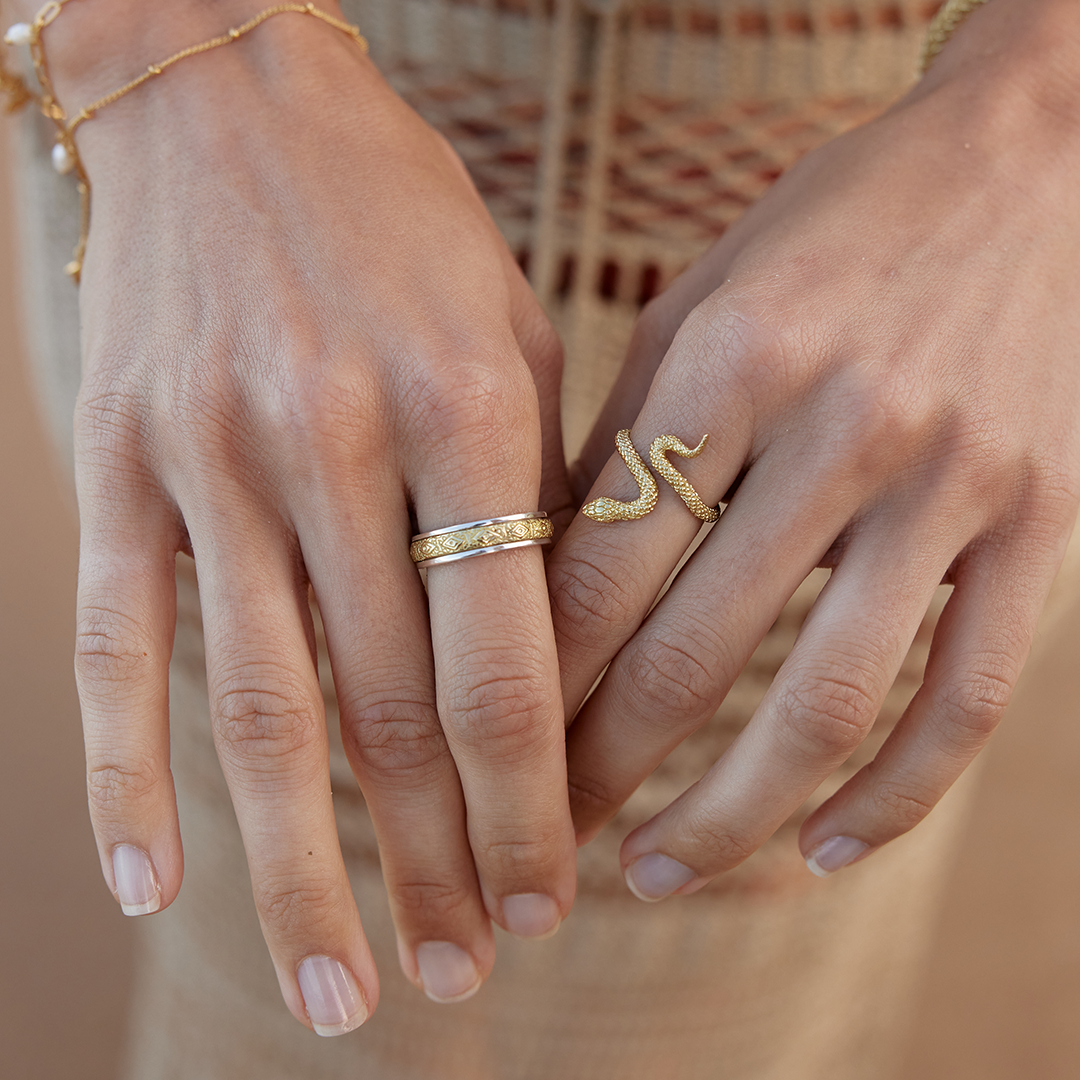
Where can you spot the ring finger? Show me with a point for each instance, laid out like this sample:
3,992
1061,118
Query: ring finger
379,642
270,733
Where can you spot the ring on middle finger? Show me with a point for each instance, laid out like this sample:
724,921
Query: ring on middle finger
483,537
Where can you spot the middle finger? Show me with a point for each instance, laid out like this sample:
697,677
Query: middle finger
496,669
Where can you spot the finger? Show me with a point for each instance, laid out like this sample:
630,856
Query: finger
604,577
679,666
125,620
380,650
980,645
653,335
270,733
819,708
543,353
496,669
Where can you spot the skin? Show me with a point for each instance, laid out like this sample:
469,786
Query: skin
884,350
303,341
301,331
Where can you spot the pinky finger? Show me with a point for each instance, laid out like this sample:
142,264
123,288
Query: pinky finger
124,631
980,646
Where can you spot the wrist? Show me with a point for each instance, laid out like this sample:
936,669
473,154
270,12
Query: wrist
1011,70
1033,44
95,46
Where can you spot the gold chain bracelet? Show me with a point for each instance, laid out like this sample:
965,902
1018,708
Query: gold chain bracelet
950,15
65,155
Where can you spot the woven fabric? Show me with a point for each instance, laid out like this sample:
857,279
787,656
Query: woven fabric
614,140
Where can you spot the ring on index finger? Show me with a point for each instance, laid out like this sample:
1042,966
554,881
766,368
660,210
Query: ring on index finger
607,510
483,537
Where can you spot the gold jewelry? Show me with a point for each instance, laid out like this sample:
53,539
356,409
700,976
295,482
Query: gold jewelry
65,155
950,15
482,537
675,478
607,510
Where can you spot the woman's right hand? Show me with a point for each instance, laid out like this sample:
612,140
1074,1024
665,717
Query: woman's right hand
300,327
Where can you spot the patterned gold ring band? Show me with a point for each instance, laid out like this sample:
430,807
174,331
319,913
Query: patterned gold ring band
480,538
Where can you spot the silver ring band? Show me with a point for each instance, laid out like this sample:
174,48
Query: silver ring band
483,537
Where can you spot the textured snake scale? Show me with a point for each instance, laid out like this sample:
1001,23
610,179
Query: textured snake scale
659,447
607,510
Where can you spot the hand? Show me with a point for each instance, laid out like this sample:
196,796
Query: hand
300,327
884,352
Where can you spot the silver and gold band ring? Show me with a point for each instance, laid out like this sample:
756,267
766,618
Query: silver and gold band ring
483,537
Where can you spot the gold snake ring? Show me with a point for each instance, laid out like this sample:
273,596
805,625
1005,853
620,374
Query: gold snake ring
607,510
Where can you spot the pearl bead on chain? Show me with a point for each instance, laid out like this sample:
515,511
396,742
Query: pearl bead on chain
18,34
63,161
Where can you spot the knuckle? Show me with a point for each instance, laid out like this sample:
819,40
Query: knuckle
208,407
108,649
397,740
112,454
902,806
475,402
269,720
591,798
721,846
505,859
738,355
878,417
665,677
584,596
112,789
321,404
539,341
974,706
503,712
292,907
108,426
827,715
432,902
1055,488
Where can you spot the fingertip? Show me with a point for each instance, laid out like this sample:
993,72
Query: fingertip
334,1002
834,854
136,883
446,972
531,915
654,876
143,878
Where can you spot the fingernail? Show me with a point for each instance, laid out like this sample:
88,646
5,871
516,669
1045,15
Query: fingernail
333,1000
447,972
531,915
834,854
137,886
654,876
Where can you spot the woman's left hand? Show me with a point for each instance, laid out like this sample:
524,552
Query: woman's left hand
884,352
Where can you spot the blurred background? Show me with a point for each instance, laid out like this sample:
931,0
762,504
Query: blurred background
999,998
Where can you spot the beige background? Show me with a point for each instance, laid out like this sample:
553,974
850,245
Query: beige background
1000,998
